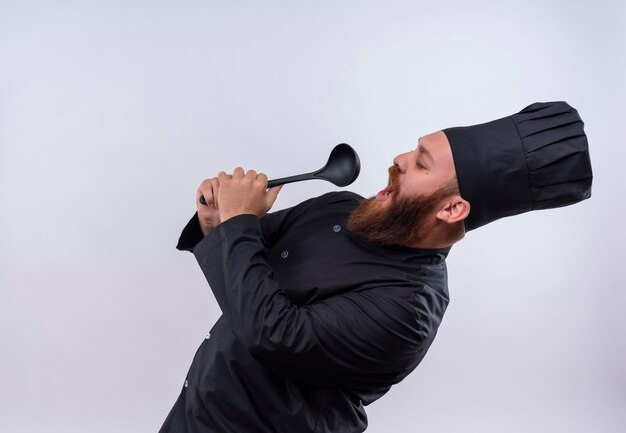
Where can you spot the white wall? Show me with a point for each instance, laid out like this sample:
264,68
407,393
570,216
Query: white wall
112,113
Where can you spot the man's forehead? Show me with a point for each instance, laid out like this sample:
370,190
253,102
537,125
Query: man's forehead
424,148
427,140
436,146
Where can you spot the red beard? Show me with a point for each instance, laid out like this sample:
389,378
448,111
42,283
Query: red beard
403,222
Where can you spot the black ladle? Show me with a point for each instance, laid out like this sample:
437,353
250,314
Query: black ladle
341,169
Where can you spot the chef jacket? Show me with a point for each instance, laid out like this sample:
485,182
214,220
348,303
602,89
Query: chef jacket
316,322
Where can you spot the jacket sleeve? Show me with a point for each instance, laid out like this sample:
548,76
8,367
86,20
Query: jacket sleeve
359,340
192,233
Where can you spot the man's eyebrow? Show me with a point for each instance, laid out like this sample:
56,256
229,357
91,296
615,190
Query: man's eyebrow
425,151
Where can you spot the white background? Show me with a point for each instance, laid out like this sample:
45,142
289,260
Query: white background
112,113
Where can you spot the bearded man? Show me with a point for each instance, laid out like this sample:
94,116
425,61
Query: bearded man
328,304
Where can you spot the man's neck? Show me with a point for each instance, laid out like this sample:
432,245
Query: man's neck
434,238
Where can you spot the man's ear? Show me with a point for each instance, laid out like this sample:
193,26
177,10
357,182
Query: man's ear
455,209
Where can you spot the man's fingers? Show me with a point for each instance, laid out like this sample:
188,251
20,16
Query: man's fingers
215,191
271,195
208,191
203,186
238,172
204,194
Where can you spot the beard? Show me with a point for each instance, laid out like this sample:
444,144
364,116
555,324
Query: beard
403,222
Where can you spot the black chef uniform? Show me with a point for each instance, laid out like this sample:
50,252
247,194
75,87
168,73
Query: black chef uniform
316,324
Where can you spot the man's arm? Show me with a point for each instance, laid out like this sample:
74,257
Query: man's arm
359,340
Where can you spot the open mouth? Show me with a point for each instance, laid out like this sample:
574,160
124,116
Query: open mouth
384,194
392,186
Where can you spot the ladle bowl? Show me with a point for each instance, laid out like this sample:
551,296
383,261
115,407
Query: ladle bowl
341,169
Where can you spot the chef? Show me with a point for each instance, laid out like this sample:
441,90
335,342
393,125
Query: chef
328,304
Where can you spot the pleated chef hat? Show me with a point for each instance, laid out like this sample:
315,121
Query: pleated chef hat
535,159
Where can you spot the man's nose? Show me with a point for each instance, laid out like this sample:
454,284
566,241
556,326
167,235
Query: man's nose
400,162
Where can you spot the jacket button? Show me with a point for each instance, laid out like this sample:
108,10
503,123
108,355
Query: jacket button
336,228
207,336
186,384
284,254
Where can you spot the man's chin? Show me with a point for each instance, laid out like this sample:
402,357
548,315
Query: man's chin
373,219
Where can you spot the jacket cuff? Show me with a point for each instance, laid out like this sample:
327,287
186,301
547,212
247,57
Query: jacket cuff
191,235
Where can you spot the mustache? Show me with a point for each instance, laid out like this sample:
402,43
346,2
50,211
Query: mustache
394,181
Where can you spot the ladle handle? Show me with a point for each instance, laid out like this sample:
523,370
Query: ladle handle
290,179
281,181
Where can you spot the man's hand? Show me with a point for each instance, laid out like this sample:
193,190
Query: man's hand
247,193
208,214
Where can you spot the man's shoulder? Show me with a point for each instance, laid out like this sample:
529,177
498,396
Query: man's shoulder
334,202
336,197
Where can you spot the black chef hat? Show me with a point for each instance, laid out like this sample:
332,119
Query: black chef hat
535,159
